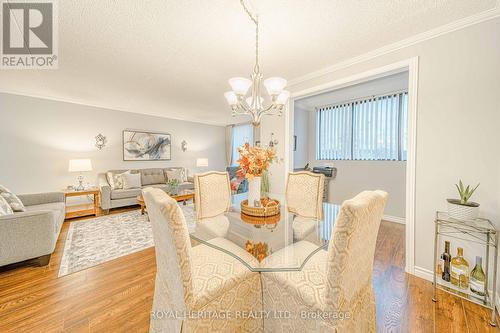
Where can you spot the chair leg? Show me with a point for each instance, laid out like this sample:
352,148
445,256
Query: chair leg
106,211
43,260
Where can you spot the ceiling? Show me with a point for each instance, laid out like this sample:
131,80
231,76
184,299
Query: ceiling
173,58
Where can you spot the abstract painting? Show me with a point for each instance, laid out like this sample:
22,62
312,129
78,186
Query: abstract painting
146,146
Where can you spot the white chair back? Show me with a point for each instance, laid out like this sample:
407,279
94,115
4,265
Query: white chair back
351,252
212,194
173,251
304,194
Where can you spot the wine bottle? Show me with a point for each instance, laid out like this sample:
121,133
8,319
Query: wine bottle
477,278
459,269
446,256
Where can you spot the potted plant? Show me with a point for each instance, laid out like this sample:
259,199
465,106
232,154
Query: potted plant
463,209
173,186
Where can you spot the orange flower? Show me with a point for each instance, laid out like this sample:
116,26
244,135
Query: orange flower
254,160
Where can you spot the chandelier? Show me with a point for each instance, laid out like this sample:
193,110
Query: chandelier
253,105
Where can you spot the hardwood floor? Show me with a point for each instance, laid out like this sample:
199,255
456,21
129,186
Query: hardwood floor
116,296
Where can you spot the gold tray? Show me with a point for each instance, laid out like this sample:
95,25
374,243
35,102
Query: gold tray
270,207
260,220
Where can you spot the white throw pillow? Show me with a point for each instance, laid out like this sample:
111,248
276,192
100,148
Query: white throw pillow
131,180
175,174
5,208
115,179
13,200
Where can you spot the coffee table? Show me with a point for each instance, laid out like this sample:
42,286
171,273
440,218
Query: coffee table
182,196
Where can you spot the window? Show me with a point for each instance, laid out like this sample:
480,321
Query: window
367,129
241,134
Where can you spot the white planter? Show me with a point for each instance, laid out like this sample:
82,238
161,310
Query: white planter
254,191
462,212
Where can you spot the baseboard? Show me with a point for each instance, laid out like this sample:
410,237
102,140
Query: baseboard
394,219
429,276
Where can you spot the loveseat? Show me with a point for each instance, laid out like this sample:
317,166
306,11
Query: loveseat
151,177
33,233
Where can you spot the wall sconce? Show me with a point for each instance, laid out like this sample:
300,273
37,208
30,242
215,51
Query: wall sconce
184,145
100,141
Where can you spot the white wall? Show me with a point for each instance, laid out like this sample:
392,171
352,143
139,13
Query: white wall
39,136
356,176
301,131
458,121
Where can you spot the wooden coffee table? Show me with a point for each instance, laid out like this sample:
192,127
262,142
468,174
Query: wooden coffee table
183,196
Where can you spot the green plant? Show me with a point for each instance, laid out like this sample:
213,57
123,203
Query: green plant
173,182
465,192
173,186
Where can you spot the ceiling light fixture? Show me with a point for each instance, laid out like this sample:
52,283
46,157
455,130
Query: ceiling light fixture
254,104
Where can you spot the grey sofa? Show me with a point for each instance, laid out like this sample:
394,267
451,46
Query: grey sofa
153,177
33,233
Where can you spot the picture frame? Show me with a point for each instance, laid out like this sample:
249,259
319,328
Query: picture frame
141,145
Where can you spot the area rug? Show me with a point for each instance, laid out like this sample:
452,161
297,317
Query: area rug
95,241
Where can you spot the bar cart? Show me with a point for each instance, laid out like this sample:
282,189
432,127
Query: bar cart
479,231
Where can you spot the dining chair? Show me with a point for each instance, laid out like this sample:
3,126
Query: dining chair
337,283
304,197
304,194
197,279
212,191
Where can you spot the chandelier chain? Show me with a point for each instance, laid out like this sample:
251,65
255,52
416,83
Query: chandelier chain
255,19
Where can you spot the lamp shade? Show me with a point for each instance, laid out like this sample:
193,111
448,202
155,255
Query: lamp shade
275,85
202,162
80,165
231,98
283,97
240,85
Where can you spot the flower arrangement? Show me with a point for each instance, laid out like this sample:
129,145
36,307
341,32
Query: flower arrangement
254,161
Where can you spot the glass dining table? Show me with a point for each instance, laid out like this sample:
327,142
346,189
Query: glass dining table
283,242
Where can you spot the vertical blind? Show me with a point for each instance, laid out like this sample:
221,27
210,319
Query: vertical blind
241,135
368,129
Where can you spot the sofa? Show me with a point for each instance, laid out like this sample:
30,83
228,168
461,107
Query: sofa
151,177
33,233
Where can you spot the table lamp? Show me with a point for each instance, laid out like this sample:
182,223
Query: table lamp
80,165
202,162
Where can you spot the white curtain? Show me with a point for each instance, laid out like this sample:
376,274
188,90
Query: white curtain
369,129
376,128
241,134
334,132
229,145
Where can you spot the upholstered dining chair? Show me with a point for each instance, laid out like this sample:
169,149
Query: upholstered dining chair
212,192
197,279
304,194
336,283
304,197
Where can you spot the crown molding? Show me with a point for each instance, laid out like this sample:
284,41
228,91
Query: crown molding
418,38
113,108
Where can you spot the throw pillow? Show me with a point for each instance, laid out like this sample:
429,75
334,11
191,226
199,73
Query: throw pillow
131,180
174,174
13,200
5,208
115,179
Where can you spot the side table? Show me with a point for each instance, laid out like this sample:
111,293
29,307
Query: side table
480,231
73,211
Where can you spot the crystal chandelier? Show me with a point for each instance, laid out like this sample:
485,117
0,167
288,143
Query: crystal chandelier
253,105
